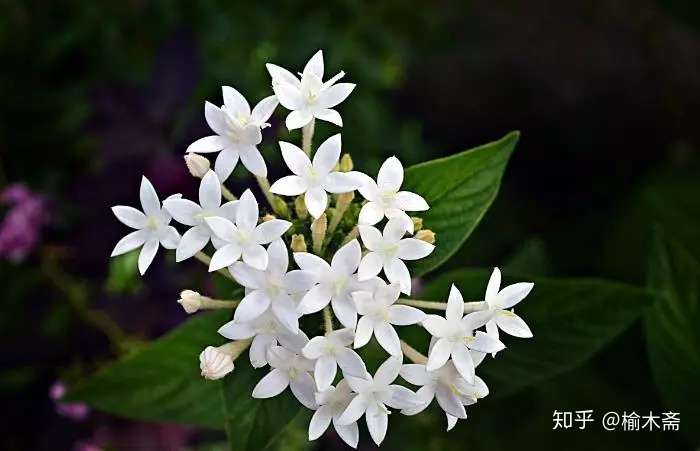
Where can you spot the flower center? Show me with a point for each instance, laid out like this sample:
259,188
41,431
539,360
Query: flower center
391,250
339,285
387,197
151,223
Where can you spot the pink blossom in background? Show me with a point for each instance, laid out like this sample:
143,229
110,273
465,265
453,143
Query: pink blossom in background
20,230
74,410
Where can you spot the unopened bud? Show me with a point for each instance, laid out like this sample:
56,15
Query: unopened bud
318,232
426,235
215,363
298,243
280,206
300,207
197,164
190,300
268,217
417,223
345,163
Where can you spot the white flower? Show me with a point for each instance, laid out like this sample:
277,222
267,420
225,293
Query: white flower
266,331
331,351
336,282
331,405
237,133
309,97
388,250
244,238
152,227
452,391
272,288
385,199
500,301
189,213
215,363
374,394
315,179
289,369
379,316
191,301
455,336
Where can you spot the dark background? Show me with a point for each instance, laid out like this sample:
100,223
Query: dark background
94,94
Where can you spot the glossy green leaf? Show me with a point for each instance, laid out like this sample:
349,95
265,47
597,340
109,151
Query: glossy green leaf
673,329
571,319
459,189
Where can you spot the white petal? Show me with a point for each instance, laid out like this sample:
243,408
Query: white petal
425,396
328,98
315,65
207,144
320,421
248,277
170,238
364,301
291,185
149,199
272,384
390,176
371,213
259,348
493,286
351,363
403,315
354,411
477,319
349,433
371,237
408,201
388,371
191,242
289,94
484,343
492,330
223,229
304,389
340,182
395,213
247,211
449,402
345,310
315,348
269,231
263,110
316,201
435,325
512,294
396,271
236,330
370,265
298,119
377,422
311,263
215,118
253,160
413,249
299,281
130,216
317,298
183,210
225,257
394,230
415,374
347,258
455,305
281,75
279,258
512,324
234,101
210,191
402,398
329,115
451,421
148,252
285,311
439,354
324,372
327,155
130,242
297,161
363,332
256,256
252,306
225,163
463,362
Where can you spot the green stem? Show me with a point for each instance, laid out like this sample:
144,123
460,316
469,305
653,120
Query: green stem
327,320
228,195
468,306
412,354
307,134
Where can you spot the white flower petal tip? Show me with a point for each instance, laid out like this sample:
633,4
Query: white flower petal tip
214,363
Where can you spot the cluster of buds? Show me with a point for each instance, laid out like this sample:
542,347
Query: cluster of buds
349,251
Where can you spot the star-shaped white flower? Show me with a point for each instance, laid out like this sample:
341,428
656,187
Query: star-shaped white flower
289,369
245,238
385,199
272,288
189,213
335,282
380,315
315,179
237,133
152,227
309,97
266,331
331,351
388,250
500,301
331,405
455,337
374,394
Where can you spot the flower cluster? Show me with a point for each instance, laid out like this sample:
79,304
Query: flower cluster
349,266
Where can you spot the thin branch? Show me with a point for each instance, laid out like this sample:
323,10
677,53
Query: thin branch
468,306
228,195
327,320
412,354
307,134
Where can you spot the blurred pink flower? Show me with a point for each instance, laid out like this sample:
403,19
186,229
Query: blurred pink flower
74,410
20,230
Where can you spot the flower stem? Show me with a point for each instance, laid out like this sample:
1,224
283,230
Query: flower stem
228,195
341,206
351,235
207,303
204,258
469,307
236,348
412,354
278,205
327,319
307,133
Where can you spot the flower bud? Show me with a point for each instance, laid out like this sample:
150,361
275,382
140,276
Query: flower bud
417,223
190,300
426,235
215,363
197,164
345,163
268,217
280,206
318,232
298,243
300,207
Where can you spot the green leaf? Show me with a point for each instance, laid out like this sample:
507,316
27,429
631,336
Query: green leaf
673,329
123,274
459,189
571,319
